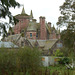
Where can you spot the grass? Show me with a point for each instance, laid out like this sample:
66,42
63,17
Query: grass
60,70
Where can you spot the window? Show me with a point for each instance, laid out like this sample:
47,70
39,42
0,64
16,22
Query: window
59,45
31,35
37,35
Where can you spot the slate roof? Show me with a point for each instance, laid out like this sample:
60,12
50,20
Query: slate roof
22,13
32,26
8,45
45,44
14,37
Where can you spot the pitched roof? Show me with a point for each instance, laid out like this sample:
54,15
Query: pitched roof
13,37
46,44
8,45
32,26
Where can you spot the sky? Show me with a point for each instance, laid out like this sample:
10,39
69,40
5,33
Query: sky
47,8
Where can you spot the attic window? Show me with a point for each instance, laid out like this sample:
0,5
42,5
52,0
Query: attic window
30,35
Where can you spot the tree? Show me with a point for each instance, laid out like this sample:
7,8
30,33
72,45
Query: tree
20,60
4,12
4,9
68,19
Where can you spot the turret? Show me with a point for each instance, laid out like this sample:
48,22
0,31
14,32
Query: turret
23,11
31,15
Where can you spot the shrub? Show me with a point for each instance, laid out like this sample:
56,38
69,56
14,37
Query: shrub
29,58
21,60
58,53
64,60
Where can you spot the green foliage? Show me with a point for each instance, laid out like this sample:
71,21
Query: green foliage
68,19
65,51
67,36
6,4
20,60
67,10
58,53
64,61
28,57
5,12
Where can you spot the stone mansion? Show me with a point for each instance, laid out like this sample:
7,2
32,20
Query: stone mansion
33,30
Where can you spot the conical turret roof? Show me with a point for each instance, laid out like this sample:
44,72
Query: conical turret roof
31,14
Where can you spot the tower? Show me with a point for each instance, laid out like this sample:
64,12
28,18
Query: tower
23,22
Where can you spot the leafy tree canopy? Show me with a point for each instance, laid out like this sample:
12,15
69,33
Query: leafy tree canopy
68,19
4,12
4,9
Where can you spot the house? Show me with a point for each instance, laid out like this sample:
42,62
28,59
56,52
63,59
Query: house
27,32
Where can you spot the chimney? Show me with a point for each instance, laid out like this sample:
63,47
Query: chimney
43,32
40,18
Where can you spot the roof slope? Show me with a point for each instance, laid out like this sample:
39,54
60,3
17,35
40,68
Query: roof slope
46,44
8,45
32,26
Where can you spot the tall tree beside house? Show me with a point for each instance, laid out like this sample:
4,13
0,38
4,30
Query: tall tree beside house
5,12
68,19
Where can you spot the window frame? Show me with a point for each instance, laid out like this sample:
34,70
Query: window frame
30,35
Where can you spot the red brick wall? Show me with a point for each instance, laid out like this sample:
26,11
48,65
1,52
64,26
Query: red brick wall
54,36
22,24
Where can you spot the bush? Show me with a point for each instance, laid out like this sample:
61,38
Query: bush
58,53
64,60
21,60
29,58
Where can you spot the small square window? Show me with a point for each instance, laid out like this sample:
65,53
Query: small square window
59,45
